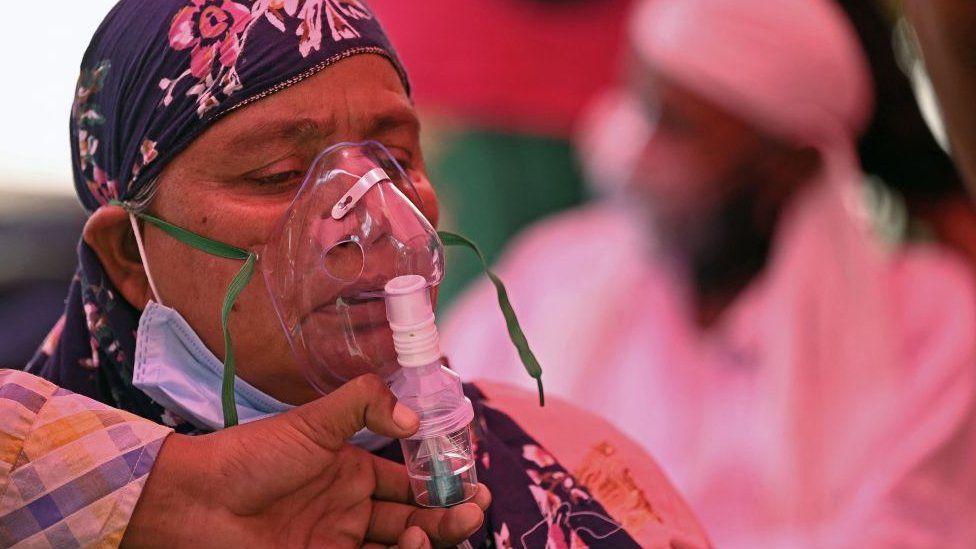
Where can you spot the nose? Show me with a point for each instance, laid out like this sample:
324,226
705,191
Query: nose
429,205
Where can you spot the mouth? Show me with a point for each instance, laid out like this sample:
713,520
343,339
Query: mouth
350,298
361,314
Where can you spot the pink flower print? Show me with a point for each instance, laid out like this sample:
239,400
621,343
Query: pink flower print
534,475
310,29
148,150
547,501
576,542
537,455
211,30
90,362
557,539
274,12
90,82
230,83
87,145
206,102
577,495
92,316
53,337
503,538
337,12
103,188
149,153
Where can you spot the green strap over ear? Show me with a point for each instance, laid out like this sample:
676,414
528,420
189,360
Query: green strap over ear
511,321
243,276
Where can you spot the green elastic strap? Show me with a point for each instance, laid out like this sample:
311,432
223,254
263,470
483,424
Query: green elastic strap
514,328
243,276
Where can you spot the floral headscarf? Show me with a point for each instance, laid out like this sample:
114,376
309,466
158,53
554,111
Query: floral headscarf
155,76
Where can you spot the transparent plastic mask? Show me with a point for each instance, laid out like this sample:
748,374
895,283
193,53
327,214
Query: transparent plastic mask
353,226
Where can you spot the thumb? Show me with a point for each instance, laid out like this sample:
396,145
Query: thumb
362,402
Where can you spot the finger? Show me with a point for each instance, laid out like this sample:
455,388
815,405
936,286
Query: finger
482,498
449,526
413,538
444,526
392,483
388,521
362,402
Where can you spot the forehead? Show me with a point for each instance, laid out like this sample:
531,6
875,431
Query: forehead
670,98
362,93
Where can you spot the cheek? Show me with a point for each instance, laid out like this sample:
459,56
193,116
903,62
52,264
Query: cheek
673,175
185,277
264,357
195,283
429,205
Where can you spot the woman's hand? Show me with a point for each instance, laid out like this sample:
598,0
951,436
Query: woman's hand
292,481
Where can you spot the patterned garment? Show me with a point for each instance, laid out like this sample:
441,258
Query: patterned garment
71,469
535,501
142,97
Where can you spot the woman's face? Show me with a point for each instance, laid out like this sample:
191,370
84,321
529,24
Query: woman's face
236,180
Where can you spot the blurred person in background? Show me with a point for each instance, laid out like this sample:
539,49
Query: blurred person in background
898,147
946,35
731,303
499,86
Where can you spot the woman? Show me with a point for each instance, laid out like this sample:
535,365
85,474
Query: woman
206,117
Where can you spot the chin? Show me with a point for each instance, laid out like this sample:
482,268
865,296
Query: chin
344,354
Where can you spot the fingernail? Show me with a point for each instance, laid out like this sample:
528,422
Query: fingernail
404,417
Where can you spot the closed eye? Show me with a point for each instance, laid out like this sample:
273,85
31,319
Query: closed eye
279,178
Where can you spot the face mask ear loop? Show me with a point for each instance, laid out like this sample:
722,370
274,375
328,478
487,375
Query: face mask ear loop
243,276
142,256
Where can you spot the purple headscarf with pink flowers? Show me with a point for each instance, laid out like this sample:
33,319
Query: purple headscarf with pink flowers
148,89
155,76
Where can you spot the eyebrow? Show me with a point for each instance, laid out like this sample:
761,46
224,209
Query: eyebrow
291,130
391,119
282,130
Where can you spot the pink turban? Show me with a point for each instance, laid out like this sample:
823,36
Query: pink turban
794,68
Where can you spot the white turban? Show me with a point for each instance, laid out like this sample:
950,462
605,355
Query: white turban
793,68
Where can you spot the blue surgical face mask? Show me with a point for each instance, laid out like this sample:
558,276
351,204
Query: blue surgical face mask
176,370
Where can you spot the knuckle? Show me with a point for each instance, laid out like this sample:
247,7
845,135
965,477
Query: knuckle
369,383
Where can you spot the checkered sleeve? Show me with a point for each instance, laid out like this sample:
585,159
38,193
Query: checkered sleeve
71,468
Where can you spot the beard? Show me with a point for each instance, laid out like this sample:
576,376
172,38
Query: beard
733,246
727,241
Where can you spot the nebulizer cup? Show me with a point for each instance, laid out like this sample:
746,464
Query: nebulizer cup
440,456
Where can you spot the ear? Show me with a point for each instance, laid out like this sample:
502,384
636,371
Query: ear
108,232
